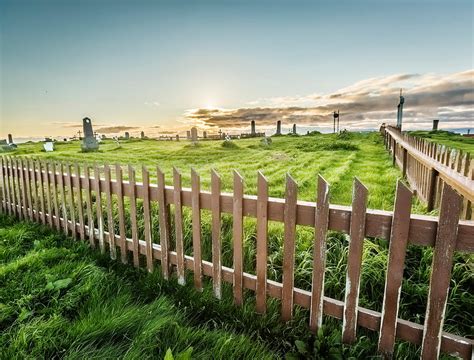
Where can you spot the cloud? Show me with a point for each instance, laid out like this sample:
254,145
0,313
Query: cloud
115,129
152,103
364,104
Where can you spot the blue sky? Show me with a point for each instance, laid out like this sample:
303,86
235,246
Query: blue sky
151,65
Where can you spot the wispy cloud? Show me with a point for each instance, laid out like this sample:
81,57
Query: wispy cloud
364,104
115,129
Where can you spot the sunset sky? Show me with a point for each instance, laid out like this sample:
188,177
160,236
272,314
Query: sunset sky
163,66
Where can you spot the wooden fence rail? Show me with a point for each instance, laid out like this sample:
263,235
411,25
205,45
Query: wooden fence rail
60,196
427,166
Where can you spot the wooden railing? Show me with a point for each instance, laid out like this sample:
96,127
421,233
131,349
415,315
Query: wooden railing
427,166
65,196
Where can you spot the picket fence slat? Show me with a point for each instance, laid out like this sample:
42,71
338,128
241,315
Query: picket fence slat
441,272
98,203
164,224
178,221
354,261
121,213
394,276
289,248
321,222
133,216
71,198
238,233
80,204
216,234
90,215
196,224
110,215
262,245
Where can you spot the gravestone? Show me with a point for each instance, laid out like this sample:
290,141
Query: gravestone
294,129
89,143
252,127
3,142
127,135
142,135
48,146
194,134
278,132
435,125
204,134
177,137
10,139
188,134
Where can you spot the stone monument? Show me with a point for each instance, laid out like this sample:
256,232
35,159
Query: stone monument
127,135
204,134
194,135
294,129
89,142
252,127
177,137
10,139
435,125
278,132
142,135
188,134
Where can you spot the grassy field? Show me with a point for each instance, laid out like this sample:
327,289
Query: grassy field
337,158
60,299
447,138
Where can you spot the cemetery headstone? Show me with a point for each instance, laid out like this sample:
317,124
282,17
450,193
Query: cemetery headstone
194,135
48,146
127,135
294,129
252,127
142,135
204,134
10,139
435,125
89,142
188,134
177,137
278,132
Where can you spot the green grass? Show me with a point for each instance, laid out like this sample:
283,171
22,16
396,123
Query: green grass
337,158
447,138
58,298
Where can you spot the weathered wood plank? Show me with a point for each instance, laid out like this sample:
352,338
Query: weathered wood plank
62,198
196,223
133,216
90,215
178,223
98,203
147,219
22,185
27,181
354,261
441,272
34,180
164,225
262,245
2,178
289,248
55,196
121,213
321,224
110,214
396,262
238,233
71,199
48,194
216,234
80,203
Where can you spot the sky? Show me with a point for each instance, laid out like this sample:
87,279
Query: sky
164,66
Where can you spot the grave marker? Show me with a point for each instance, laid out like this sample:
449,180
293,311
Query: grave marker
89,143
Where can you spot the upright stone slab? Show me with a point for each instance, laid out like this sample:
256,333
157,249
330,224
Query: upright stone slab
127,135
194,134
188,134
204,134
89,143
294,129
10,139
252,127
278,132
142,135
177,137
435,125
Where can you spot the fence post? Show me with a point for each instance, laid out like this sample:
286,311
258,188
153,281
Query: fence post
196,224
163,221
216,233
178,221
133,215
237,227
121,214
110,212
